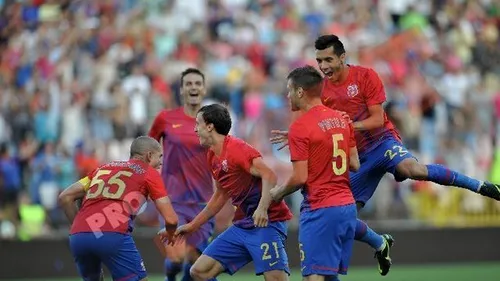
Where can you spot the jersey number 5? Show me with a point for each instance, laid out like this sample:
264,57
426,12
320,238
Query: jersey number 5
103,187
339,152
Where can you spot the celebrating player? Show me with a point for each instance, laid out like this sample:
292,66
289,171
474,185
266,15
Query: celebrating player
112,195
185,171
321,141
360,93
259,230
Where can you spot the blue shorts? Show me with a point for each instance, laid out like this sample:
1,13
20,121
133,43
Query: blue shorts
115,250
186,213
374,164
326,237
265,246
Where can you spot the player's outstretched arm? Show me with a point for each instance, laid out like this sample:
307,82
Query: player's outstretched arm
71,194
164,207
294,183
269,180
214,205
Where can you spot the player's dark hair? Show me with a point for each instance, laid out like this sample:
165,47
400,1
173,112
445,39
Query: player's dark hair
307,78
218,115
327,41
193,71
142,145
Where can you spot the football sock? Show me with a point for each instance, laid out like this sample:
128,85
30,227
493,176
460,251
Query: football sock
185,269
172,269
366,234
444,176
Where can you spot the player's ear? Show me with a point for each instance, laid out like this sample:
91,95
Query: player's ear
300,92
149,156
342,58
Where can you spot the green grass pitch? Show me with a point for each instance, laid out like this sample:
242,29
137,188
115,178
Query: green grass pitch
453,272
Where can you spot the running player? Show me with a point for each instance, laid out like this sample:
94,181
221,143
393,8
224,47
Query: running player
322,148
112,195
185,171
259,230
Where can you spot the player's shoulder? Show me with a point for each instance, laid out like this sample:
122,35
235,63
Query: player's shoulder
169,113
364,71
235,144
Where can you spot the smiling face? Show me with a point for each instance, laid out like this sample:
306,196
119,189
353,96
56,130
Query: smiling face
193,89
203,130
330,64
154,158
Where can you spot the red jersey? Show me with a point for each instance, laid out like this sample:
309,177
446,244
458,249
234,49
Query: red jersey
115,193
185,171
362,88
323,138
232,170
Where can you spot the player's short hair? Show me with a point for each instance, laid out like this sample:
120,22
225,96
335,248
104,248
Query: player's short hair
192,71
142,145
307,78
330,40
218,115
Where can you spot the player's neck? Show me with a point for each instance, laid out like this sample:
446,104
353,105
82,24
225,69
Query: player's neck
312,103
218,144
344,73
191,110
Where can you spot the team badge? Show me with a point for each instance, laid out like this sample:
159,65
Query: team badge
352,90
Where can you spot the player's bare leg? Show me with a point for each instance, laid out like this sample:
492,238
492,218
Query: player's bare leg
412,169
275,275
316,277
206,268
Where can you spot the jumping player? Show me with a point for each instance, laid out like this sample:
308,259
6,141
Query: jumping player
259,229
185,171
360,93
112,194
322,150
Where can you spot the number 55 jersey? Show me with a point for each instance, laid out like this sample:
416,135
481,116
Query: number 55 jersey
115,193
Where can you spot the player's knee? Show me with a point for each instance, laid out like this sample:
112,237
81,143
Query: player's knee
197,273
275,275
411,169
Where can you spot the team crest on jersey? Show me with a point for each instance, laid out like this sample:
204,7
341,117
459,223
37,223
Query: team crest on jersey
352,90
224,165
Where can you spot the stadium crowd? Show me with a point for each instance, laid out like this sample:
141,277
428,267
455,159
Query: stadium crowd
80,79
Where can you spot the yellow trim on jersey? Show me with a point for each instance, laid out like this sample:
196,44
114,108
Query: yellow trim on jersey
85,182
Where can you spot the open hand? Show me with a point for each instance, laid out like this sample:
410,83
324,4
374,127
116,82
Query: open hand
345,116
260,218
279,137
184,229
167,236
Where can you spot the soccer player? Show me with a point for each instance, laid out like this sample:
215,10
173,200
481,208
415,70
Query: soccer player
322,150
185,171
359,92
112,194
259,229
